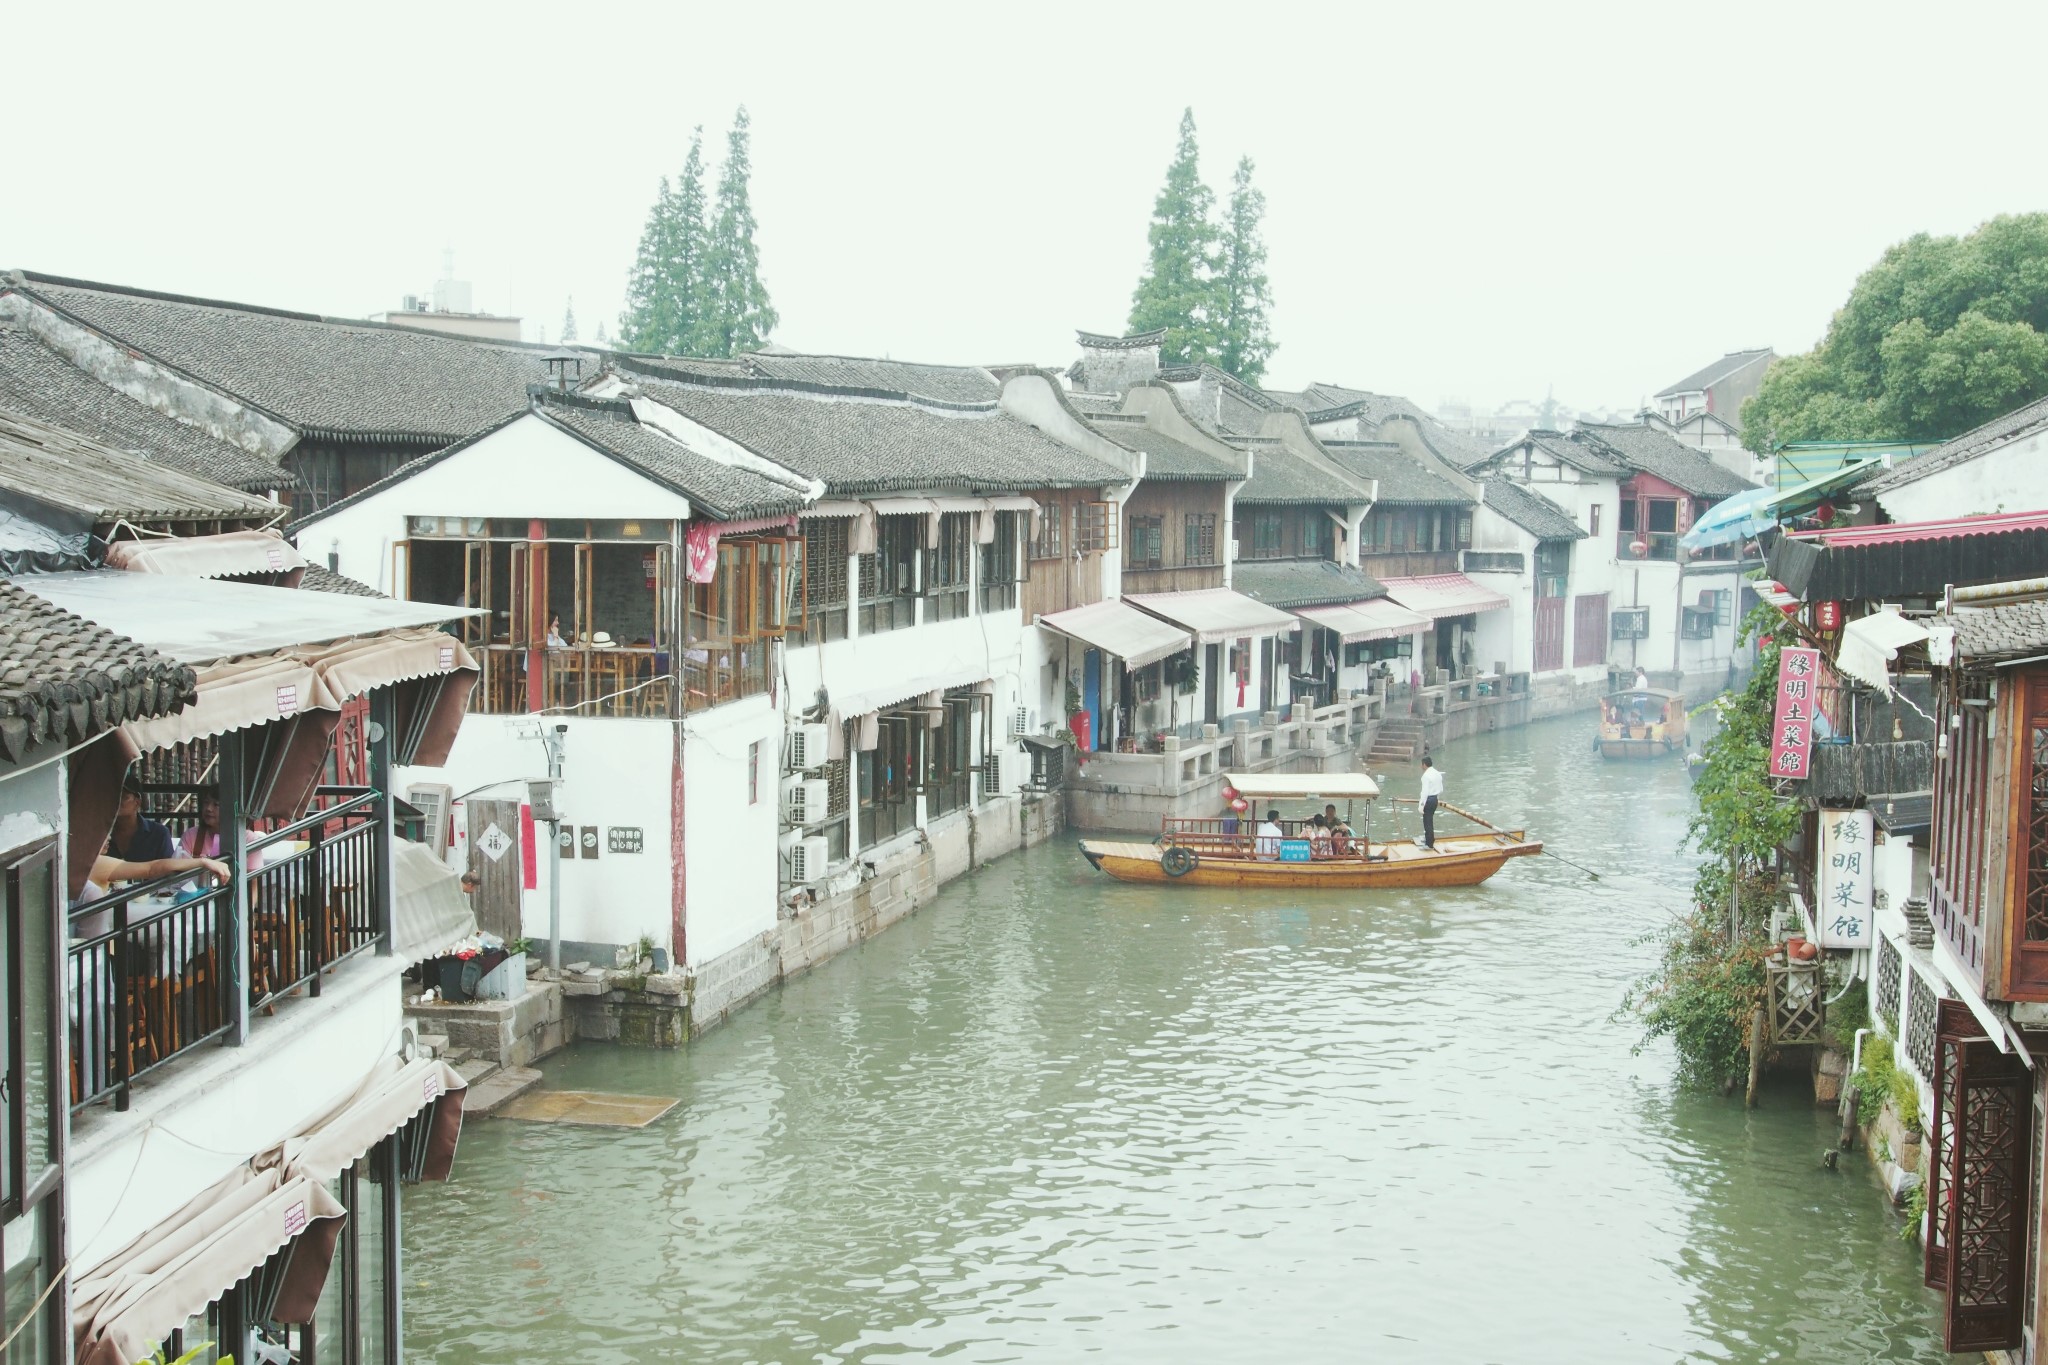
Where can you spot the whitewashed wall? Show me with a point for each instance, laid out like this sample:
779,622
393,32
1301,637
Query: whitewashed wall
2011,478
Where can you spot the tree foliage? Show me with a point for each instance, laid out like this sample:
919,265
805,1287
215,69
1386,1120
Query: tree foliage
1941,335
696,284
569,319
1178,289
1244,334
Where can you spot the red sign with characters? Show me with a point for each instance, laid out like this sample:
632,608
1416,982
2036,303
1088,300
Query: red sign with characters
1798,702
1827,616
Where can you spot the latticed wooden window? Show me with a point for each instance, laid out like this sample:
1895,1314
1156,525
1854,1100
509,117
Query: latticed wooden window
2036,815
1979,1212
1886,985
1095,527
1146,547
1267,535
1200,546
1920,1006
825,550
1050,542
838,788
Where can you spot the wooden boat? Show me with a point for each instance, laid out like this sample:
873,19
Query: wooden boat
1228,852
1642,722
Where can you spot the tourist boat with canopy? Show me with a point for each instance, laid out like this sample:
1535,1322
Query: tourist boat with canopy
1642,722
1228,851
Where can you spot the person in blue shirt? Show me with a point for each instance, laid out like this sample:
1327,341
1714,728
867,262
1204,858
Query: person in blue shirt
136,837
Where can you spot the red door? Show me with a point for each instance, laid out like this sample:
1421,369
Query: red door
1549,634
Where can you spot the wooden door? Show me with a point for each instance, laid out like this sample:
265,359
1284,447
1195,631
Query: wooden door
500,865
1548,635
1212,681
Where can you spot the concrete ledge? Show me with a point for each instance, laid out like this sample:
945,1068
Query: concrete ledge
509,1032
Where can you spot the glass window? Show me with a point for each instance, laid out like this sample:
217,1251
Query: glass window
1663,514
1146,546
1267,533
1200,546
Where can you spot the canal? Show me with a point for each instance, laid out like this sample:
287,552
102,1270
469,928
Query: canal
1054,1116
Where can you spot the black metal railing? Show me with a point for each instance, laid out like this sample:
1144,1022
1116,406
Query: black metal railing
148,968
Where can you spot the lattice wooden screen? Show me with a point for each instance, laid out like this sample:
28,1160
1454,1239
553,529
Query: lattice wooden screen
1981,1146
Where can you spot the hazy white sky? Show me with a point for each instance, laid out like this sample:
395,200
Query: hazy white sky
1474,200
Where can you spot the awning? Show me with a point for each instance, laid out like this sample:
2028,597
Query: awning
232,555
860,537
1870,643
1379,619
912,507
396,1092
1446,594
1301,786
1013,502
236,695
202,620
1216,615
1117,628
428,908
1756,510
123,1307
853,704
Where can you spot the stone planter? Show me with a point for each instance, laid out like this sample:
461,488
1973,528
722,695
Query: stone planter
505,981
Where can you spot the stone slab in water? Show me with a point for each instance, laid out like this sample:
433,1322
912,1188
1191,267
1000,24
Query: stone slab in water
587,1107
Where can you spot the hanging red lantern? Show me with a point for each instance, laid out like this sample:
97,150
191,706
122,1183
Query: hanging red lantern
1827,616
1240,805
1229,792
1825,514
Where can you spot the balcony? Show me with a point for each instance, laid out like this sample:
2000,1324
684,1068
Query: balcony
151,970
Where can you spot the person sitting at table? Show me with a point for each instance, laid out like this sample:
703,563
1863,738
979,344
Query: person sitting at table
108,869
555,640
136,837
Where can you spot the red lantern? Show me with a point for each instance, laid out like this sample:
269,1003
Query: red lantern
1229,792
1827,616
1240,805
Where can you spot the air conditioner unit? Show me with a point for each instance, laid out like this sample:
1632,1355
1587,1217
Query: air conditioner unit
431,800
1020,722
807,859
804,799
992,773
807,747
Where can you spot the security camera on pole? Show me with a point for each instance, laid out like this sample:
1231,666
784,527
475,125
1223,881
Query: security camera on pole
545,796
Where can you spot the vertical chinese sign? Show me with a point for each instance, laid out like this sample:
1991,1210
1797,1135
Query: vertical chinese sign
1841,883
1798,696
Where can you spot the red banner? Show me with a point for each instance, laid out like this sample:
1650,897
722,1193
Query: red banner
1798,703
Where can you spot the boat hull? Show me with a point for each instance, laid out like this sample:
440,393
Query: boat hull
1639,748
1463,861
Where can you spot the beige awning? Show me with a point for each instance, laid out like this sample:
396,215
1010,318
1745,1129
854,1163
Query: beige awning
1136,637
1870,643
428,907
855,704
123,1307
236,695
235,554
1302,786
860,536
912,507
1379,619
1015,502
393,1094
1216,615
1443,595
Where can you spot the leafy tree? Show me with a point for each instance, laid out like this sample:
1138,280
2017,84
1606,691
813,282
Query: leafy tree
1245,338
737,315
665,299
1178,289
569,320
1941,335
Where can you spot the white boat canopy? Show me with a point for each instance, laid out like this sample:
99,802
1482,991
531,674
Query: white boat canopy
1303,786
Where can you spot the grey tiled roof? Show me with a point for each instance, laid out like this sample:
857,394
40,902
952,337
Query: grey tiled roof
1166,457
945,383
2014,425
1530,510
1700,380
64,679
1326,402
1227,405
1653,451
715,489
1402,478
1580,452
317,375
1303,582
319,578
66,470
1279,475
37,382
1094,402
2012,631
875,445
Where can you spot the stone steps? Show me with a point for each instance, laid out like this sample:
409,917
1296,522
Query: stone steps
499,1089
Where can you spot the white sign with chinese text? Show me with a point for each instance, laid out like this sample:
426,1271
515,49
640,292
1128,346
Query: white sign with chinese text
1841,883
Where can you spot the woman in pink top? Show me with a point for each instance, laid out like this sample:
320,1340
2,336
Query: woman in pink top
203,839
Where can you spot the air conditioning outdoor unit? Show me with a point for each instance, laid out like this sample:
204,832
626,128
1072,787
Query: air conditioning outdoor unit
992,773
431,800
807,859
807,747
1020,722
804,799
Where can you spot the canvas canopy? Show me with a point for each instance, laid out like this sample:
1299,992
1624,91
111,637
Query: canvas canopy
1136,637
1378,619
1441,595
1216,615
860,703
1304,786
1870,643
428,907
230,555
394,1093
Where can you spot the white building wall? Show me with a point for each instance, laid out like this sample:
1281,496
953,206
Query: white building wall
2011,478
730,860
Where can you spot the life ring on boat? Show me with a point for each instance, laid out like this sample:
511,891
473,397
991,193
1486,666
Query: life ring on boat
1178,861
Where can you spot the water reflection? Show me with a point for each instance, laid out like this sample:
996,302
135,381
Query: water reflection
1053,1115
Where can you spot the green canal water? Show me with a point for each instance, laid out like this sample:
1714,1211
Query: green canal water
1052,1117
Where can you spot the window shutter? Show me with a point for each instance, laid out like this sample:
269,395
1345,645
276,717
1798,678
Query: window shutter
1982,1145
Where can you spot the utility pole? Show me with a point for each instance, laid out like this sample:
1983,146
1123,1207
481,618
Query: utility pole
556,741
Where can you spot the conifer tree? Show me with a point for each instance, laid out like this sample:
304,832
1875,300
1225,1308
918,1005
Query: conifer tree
1178,289
1244,337
649,321
666,297
569,320
689,250
739,316
602,339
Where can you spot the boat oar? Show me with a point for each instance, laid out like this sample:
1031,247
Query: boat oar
1484,824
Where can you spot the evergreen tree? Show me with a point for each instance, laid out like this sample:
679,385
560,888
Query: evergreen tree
1243,298
1178,289
569,320
602,339
738,315
665,299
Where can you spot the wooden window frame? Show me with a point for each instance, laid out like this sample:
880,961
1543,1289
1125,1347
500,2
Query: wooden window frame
1145,544
1198,540
1096,524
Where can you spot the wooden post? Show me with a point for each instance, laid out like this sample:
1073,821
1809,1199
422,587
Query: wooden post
1758,1023
1851,1102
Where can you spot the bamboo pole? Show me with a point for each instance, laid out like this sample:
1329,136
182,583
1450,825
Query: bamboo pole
1757,1024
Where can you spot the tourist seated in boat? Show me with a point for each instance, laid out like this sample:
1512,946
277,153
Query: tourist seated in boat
1267,849
1340,833
1318,838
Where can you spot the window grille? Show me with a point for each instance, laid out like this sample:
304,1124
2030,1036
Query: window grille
1146,547
1200,542
1887,985
1095,527
1920,1007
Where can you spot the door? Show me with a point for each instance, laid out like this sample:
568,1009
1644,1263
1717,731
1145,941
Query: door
500,866
1212,681
1547,636
1269,699
1091,693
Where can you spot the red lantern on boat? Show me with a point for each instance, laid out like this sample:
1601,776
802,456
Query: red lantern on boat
1240,805
1229,792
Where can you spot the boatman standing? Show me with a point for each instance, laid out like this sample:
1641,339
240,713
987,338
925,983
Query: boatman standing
1432,789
